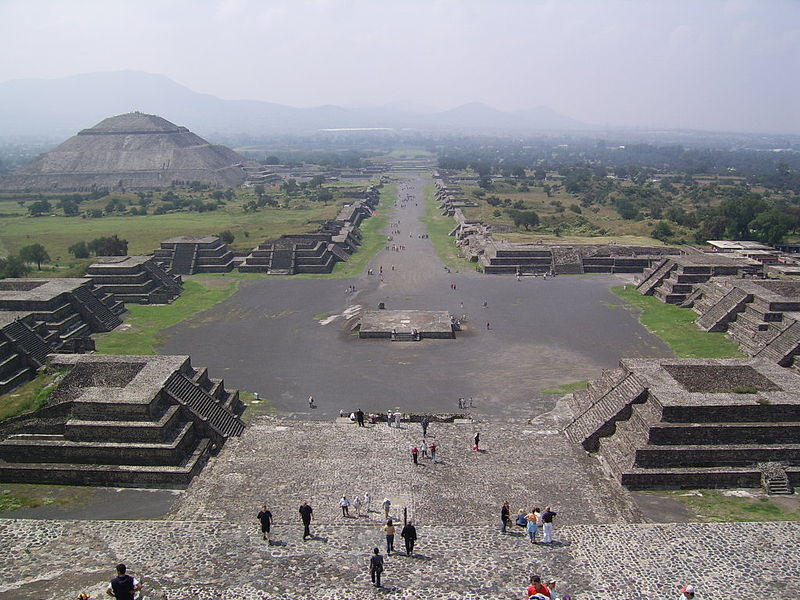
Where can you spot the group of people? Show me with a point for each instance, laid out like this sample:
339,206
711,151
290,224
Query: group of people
422,451
533,522
376,562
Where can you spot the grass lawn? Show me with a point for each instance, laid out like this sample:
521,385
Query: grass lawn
675,326
29,397
439,227
714,506
145,323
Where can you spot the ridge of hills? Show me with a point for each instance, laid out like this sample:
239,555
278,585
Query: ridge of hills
59,107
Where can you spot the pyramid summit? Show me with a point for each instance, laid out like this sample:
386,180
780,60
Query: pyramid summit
130,151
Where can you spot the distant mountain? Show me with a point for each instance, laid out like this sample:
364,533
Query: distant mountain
61,107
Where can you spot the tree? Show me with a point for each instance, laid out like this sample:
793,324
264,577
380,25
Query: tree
108,246
79,250
526,218
324,196
316,181
740,212
42,207
34,253
662,231
226,236
70,207
13,266
771,227
540,174
259,190
290,186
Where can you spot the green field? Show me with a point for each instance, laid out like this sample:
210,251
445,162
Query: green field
714,506
296,214
439,228
675,326
144,323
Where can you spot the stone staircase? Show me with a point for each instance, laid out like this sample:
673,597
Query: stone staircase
783,347
183,259
652,277
599,418
28,341
404,337
724,310
221,421
94,311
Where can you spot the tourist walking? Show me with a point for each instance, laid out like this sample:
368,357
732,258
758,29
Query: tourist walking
409,535
397,417
265,517
389,530
505,517
357,505
344,503
424,449
425,423
123,586
687,592
476,441
311,402
387,505
376,567
389,418
360,417
433,447
306,513
547,524
415,454
367,502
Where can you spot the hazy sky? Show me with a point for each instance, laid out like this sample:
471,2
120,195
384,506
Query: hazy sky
711,64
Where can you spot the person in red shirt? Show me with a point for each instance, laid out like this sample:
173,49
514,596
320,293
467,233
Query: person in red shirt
414,454
537,587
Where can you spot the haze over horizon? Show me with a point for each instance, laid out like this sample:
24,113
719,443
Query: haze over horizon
725,65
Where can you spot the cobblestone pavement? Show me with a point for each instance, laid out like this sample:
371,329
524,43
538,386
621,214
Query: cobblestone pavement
283,462
186,560
211,546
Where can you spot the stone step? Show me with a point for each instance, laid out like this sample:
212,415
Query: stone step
168,476
702,455
735,433
691,478
25,448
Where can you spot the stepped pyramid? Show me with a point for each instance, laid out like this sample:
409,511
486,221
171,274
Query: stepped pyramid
131,151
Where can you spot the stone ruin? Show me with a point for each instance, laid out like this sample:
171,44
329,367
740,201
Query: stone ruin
689,423
477,243
314,252
40,316
187,255
130,151
762,316
676,279
406,325
142,421
134,279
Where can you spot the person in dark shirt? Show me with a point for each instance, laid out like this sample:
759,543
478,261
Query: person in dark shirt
123,586
360,417
505,517
376,567
265,517
547,522
409,535
305,514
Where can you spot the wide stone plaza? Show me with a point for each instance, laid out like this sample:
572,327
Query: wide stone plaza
289,339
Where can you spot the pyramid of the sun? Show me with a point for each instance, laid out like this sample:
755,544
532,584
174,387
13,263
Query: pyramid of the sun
131,151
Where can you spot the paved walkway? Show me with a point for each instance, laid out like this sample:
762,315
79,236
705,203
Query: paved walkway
187,560
290,339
